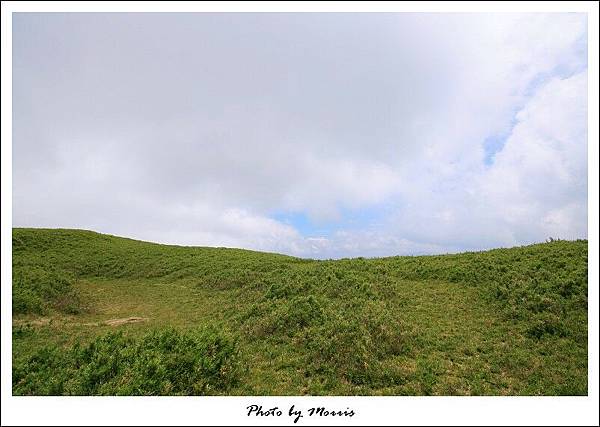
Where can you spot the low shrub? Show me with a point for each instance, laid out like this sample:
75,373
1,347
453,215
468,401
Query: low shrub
165,362
546,324
354,346
289,316
36,290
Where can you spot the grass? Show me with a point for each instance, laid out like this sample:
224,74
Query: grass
235,322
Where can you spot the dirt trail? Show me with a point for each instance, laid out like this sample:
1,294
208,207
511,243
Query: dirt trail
44,321
117,322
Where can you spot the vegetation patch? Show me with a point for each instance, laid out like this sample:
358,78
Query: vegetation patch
353,347
37,290
164,362
500,322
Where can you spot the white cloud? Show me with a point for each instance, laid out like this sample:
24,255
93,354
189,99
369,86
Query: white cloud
327,184
538,183
535,189
163,137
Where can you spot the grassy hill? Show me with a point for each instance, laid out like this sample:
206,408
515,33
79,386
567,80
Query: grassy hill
98,314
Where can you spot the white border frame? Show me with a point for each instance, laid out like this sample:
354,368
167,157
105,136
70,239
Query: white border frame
231,410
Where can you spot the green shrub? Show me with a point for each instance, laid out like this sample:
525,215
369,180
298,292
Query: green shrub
354,346
35,290
166,362
546,324
288,316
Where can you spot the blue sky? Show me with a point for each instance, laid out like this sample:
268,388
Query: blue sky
368,217
495,143
316,135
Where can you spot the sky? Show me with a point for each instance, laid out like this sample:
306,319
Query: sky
316,135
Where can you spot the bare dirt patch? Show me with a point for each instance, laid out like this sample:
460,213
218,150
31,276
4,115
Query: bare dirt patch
60,322
126,320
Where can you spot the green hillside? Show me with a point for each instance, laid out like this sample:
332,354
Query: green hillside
98,314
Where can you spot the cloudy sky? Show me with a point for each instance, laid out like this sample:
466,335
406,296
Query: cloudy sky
316,135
